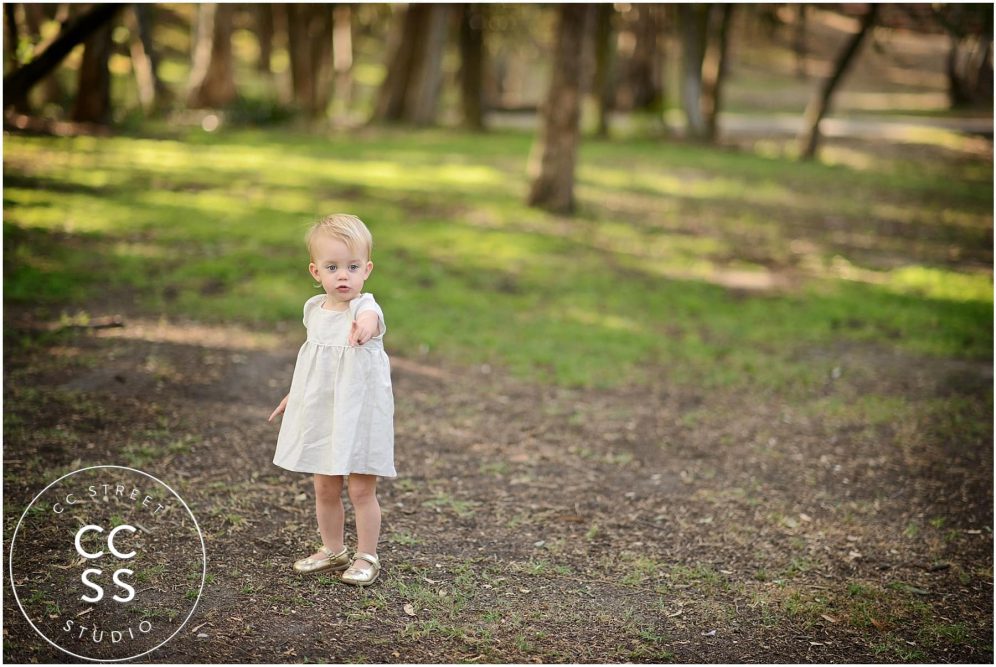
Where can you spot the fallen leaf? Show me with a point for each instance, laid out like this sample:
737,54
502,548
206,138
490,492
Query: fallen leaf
409,609
879,625
677,613
805,517
524,590
828,617
711,633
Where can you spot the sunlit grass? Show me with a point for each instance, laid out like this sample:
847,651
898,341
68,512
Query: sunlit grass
706,266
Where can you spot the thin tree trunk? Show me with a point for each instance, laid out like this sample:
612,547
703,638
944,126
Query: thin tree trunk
820,103
693,21
714,71
152,92
603,65
19,82
212,78
554,153
799,41
93,91
342,53
264,34
472,64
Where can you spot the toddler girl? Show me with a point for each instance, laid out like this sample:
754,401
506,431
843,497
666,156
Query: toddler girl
339,414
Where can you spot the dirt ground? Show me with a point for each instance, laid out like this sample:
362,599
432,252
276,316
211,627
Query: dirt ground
539,524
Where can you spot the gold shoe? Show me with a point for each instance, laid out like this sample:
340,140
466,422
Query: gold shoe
357,577
339,561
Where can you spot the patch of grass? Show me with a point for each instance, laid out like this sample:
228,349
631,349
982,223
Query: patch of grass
680,234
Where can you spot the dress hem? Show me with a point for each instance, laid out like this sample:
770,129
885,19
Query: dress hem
345,474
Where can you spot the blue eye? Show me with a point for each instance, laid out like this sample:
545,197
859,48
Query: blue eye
332,267
354,268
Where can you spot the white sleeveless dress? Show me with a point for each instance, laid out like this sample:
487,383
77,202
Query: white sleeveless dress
339,417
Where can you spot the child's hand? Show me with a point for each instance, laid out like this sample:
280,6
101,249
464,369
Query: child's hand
364,327
280,408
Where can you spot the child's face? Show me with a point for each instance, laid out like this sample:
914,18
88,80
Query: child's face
340,269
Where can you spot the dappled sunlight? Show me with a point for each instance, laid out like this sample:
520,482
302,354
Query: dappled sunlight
194,333
675,255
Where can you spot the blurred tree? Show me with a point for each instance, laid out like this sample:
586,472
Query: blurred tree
820,102
472,21
970,58
640,65
342,52
604,60
212,75
554,153
74,31
410,91
152,91
264,34
93,90
309,40
799,40
693,21
714,65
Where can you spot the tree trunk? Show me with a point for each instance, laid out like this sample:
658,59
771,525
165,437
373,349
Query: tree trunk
342,53
603,65
714,70
19,82
152,91
799,41
264,34
820,103
640,64
309,39
423,91
391,95
410,91
555,151
212,77
472,64
93,91
693,22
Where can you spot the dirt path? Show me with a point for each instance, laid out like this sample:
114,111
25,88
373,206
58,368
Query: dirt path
542,524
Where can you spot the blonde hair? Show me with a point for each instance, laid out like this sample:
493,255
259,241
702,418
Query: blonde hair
343,227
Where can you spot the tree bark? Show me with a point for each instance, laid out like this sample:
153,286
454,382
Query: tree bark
640,65
19,82
309,39
799,41
693,21
152,91
212,77
472,65
820,103
264,34
93,90
554,153
603,65
342,52
410,91
714,70
391,95
423,91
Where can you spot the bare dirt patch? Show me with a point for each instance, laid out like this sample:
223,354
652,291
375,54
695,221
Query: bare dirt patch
536,523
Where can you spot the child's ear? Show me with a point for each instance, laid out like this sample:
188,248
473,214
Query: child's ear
370,268
313,270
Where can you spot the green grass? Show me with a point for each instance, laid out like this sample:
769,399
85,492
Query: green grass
642,282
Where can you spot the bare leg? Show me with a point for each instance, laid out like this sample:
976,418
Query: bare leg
330,512
363,494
